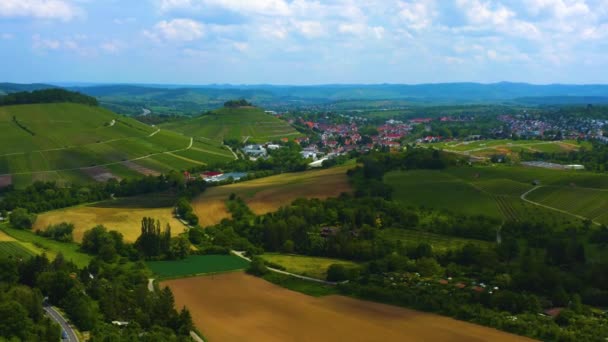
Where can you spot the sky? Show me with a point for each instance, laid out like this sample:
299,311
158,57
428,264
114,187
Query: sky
304,41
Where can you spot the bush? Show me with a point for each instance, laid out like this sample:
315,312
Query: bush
337,272
257,267
22,219
60,232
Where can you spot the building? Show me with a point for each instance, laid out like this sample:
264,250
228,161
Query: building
255,151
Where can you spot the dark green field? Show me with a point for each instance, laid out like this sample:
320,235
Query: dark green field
13,249
197,265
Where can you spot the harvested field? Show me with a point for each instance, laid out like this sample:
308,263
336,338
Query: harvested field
6,180
125,220
5,237
100,173
141,169
239,307
268,194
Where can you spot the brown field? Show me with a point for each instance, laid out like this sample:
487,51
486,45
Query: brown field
239,307
268,194
141,169
100,173
5,237
125,220
6,180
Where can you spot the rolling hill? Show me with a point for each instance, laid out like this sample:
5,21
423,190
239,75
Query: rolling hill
241,123
79,143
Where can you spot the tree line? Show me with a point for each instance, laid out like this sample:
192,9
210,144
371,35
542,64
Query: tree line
53,95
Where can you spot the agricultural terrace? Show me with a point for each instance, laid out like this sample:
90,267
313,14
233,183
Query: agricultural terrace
585,202
242,123
268,194
197,265
493,191
36,244
486,148
314,267
122,215
262,311
51,142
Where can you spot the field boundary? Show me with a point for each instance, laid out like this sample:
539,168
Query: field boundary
523,197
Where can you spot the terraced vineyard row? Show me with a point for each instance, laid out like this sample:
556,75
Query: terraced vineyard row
589,203
13,249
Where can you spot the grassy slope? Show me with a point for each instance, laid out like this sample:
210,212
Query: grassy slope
38,244
69,137
268,194
235,123
590,203
492,191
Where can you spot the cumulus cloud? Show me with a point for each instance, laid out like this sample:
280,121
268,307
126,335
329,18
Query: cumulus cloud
417,14
43,9
264,7
177,30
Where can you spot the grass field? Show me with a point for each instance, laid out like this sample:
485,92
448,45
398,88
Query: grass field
13,249
268,194
235,123
196,265
314,267
440,243
123,215
486,148
589,203
490,190
38,244
238,307
71,143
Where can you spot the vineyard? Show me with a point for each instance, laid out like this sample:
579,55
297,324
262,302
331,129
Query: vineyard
14,249
589,203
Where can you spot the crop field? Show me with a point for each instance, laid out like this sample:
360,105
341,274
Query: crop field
486,148
492,191
123,215
314,267
268,194
197,265
589,203
238,307
235,123
37,245
13,249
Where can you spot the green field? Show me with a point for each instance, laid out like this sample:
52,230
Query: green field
495,191
74,143
197,265
38,244
235,123
440,243
14,249
585,202
314,267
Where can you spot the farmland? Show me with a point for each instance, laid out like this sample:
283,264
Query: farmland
486,148
314,267
586,202
58,145
123,215
492,191
197,265
235,123
239,307
38,244
268,194
13,249
440,243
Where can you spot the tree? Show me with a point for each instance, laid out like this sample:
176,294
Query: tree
22,219
257,267
337,272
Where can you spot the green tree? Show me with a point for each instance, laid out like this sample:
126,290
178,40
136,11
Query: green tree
22,219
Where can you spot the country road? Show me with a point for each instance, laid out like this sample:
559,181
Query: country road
242,256
56,316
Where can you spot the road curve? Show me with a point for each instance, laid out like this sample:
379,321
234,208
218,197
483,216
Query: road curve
56,316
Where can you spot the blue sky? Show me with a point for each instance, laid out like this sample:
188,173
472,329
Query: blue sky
303,41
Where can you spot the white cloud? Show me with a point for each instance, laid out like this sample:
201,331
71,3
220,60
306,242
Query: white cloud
309,29
240,46
418,14
176,30
45,44
7,36
263,7
112,47
43,9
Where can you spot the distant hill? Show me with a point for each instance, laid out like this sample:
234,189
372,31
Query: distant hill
191,100
7,88
241,123
55,95
80,143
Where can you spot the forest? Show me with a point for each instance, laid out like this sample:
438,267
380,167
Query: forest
46,96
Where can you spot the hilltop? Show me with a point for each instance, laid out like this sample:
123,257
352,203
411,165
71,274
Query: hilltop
70,142
244,123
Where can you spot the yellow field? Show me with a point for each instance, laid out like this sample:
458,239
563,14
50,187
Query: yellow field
240,307
125,220
314,267
268,194
5,237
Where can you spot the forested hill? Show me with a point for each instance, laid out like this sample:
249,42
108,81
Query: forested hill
46,96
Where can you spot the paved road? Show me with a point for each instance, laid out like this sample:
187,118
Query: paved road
56,316
242,255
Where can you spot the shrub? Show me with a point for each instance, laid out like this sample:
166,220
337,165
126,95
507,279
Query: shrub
22,219
257,267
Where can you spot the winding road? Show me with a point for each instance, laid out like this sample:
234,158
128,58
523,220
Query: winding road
56,316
